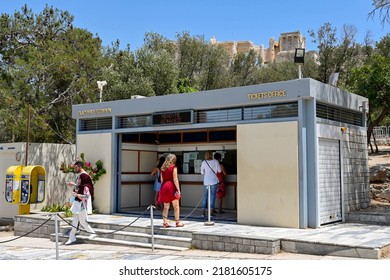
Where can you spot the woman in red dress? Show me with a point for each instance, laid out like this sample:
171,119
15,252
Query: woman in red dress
170,190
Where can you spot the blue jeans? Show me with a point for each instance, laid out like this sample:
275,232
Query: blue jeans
213,194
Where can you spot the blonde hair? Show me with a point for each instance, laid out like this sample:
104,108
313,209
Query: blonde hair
169,160
208,155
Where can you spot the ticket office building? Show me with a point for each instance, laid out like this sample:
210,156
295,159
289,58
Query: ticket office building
295,151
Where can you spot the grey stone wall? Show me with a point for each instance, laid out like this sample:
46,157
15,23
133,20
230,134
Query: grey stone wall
264,245
35,225
356,175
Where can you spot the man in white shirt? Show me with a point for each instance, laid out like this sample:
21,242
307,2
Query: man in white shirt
209,168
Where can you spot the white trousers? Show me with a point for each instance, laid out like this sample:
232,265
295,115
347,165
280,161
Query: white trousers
82,218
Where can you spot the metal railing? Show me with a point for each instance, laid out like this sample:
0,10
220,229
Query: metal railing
381,133
57,217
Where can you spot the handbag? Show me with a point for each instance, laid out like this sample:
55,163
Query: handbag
76,207
177,195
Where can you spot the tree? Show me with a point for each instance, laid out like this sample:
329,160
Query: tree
372,80
48,65
191,56
335,55
244,69
383,7
124,77
214,73
158,65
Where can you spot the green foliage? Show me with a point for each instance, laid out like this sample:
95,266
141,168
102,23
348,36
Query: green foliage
244,69
58,208
336,54
204,66
372,80
160,68
49,65
215,72
94,171
184,85
124,77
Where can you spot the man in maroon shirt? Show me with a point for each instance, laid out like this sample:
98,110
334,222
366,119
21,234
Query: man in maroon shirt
86,180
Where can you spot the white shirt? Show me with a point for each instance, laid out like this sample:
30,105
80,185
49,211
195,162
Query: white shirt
210,178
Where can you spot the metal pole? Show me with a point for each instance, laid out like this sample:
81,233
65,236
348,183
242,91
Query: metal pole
209,222
151,224
28,133
101,94
208,203
56,231
299,71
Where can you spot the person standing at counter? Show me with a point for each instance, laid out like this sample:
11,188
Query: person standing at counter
209,169
170,190
221,191
157,181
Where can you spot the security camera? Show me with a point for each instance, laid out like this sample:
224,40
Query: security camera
101,84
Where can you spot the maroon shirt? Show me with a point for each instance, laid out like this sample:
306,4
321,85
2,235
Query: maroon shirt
86,181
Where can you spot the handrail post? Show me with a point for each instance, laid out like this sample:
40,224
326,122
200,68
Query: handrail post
209,222
152,225
56,232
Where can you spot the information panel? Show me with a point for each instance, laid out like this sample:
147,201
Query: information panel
172,118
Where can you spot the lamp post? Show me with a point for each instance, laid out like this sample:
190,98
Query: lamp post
299,58
101,84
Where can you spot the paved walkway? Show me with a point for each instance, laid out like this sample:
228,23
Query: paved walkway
27,248
353,235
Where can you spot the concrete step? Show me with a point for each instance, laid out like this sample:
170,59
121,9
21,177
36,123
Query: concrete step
326,249
167,239
108,241
368,218
158,229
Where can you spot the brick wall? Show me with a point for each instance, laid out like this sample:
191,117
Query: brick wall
356,171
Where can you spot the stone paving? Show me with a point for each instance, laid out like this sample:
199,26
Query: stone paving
347,236
29,248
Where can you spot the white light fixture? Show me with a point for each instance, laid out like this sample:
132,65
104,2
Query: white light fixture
101,84
333,79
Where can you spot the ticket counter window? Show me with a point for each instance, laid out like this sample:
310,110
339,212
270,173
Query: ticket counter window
190,162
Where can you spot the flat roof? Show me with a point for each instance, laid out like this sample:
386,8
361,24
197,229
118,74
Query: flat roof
270,93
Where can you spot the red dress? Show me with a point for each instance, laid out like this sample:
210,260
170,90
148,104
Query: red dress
168,189
221,190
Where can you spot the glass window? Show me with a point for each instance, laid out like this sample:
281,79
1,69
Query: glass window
219,115
169,138
271,111
95,124
130,138
149,138
191,160
222,135
200,136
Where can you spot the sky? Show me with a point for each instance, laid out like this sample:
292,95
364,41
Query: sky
226,20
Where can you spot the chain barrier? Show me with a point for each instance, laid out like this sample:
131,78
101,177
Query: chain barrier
107,233
16,238
185,217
